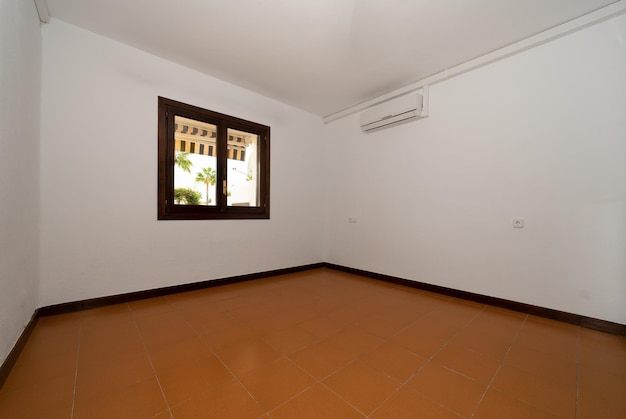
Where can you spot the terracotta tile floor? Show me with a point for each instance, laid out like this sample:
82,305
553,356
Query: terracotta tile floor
317,344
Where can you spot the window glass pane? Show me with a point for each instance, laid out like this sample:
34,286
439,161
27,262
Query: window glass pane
242,169
195,164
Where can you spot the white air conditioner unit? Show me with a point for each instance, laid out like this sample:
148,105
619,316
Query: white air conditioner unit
395,111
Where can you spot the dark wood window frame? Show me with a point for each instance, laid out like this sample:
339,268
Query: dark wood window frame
167,208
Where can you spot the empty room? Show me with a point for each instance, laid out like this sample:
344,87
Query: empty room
313,209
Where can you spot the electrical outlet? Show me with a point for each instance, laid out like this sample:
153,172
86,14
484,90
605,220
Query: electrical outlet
518,223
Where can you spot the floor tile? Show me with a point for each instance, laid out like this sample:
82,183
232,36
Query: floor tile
458,313
468,363
163,329
172,356
107,377
433,325
594,405
426,346
63,324
419,341
143,399
320,343
293,311
38,346
322,327
498,323
246,313
488,344
600,384
41,369
551,366
316,402
362,386
229,335
230,400
50,398
247,355
453,391
354,342
406,404
397,362
265,324
117,329
497,405
321,359
290,339
111,345
276,382
352,312
386,324
550,337
553,397
603,351
190,379
205,321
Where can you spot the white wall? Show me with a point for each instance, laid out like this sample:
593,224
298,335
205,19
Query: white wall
540,136
20,72
99,230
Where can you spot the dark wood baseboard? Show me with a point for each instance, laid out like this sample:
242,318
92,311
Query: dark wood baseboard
11,359
160,292
576,319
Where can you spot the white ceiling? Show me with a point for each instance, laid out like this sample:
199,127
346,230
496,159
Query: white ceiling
320,55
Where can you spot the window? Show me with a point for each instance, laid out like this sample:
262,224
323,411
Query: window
211,165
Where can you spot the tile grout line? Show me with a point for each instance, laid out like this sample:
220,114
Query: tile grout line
297,394
344,400
80,335
198,334
145,348
317,381
287,357
495,374
238,381
428,361
358,358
